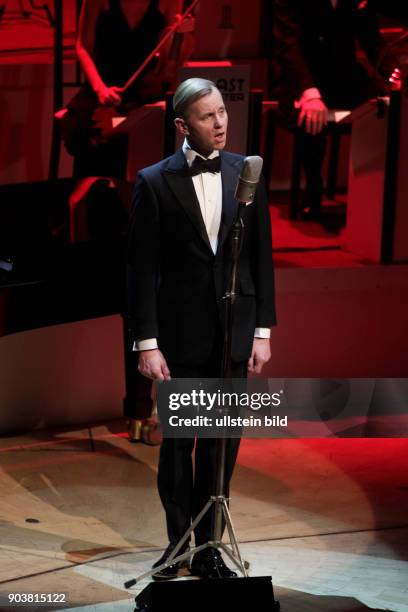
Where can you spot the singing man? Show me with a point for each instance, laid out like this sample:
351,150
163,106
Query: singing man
178,266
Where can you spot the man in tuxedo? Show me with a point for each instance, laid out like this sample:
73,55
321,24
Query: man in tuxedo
179,259
315,46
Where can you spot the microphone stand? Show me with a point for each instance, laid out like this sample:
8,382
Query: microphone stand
221,502
218,500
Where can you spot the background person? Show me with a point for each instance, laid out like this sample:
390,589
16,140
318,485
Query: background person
316,51
114,39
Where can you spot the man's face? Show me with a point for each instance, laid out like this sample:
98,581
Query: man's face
206,124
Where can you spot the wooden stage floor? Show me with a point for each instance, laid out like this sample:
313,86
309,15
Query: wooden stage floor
326,518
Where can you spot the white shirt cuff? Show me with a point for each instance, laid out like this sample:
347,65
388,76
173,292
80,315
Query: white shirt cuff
262,332
309,94
145,345
151,343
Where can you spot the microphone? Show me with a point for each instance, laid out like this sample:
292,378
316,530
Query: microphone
248,179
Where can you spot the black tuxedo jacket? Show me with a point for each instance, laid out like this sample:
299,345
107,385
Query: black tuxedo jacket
316,47
176,283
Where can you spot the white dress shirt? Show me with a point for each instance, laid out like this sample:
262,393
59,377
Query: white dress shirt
208,188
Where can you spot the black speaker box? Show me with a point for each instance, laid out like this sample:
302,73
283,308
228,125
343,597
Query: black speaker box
218,595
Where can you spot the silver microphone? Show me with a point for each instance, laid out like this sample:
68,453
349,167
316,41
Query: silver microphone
249,179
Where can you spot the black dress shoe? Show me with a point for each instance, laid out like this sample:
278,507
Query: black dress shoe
171,571
209,563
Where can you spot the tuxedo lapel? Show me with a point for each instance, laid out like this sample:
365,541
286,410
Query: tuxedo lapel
230,169
176,175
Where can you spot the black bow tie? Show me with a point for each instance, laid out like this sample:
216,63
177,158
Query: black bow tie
200,165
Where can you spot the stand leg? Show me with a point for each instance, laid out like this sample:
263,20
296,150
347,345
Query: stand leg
231,534
221,461
173,558
233,539
182,557
238,565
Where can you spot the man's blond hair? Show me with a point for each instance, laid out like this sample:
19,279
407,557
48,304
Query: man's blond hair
190,91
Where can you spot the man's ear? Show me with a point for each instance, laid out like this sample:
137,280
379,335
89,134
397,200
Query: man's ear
182,126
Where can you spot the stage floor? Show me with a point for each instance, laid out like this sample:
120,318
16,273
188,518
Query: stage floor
327,519
300,244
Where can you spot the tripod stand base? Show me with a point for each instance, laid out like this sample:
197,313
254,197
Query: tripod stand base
217,595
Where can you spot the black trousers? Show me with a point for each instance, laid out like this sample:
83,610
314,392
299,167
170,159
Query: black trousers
184,491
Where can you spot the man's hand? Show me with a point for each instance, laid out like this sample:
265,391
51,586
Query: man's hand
109,96
261,354
187,26
153,365
314,113
395,80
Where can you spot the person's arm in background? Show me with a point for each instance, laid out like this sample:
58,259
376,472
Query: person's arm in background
313,113
373,44
289,53
166,66
91,9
